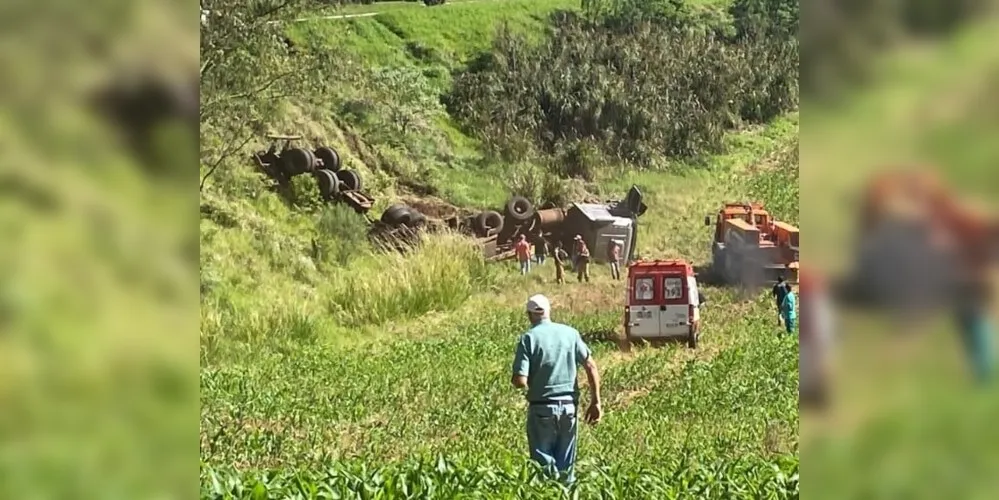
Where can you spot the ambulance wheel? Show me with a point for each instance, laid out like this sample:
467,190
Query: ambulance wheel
692,339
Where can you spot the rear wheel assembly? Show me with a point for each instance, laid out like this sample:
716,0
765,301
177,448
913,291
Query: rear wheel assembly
297,161
489,221
397,214
418,219
329,157
519,209
350,179
328,183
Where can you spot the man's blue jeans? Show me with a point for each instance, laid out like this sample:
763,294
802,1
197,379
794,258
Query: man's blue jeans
551,437
525,266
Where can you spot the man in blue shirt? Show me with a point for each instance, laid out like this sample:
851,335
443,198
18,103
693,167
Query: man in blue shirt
545,364
789,310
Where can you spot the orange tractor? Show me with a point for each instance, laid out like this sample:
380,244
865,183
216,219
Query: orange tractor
919,242
750,247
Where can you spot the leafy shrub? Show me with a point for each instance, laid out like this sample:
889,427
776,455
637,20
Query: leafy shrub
654,89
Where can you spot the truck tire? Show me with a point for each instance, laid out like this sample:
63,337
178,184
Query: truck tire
330,158
397,214
417,220
489,221
328,184
350,179
519,209
297,161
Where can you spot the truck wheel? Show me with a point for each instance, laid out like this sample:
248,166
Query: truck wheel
418,219
297,161
397,214
350,179
330,158
489,221
519,209
328,184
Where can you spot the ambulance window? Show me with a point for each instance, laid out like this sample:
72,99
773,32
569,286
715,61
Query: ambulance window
672,288
643,289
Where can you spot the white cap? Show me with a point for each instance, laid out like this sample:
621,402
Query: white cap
539,304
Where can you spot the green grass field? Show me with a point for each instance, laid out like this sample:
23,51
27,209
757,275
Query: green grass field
906,414
375,376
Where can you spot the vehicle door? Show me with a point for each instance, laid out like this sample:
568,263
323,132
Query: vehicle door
674,315
643,310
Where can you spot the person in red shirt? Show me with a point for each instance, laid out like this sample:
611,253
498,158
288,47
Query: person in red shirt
614,257
523,250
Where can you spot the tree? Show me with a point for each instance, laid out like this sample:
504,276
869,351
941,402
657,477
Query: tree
248,66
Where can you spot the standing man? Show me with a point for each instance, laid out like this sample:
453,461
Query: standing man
559,256
788,310
540,249
582,259
779,291
976,328
614,256
545,364
523,250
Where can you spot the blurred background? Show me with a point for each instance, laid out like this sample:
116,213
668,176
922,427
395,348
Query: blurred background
98,249
900,191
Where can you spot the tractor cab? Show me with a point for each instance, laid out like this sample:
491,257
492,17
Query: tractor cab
663,302
752,214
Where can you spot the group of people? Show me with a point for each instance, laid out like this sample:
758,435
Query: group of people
579,258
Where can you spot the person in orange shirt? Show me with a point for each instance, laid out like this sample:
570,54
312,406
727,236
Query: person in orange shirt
523,250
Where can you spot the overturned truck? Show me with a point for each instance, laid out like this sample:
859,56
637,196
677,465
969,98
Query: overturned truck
498,230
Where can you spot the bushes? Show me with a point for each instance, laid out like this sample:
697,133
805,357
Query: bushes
637,86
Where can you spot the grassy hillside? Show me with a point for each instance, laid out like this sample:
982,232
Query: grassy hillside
327,365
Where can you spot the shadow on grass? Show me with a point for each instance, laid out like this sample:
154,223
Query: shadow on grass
600,336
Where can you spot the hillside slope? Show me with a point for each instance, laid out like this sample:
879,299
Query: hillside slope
357,368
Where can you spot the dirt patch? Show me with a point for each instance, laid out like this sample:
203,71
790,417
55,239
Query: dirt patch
432,207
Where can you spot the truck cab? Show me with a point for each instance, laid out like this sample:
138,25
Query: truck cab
663,302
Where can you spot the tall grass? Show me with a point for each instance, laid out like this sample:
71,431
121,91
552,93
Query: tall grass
440,274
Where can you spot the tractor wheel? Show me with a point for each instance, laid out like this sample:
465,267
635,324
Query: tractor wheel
519,209
328,184
397,214
330,158
418,220
350,179
489,221
297,161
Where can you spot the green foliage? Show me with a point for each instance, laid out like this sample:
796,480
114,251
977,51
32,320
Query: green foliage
654,90
378,288
843,47
765,19
778,184
341,235
435,413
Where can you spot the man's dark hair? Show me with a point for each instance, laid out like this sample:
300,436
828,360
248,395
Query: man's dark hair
780,279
